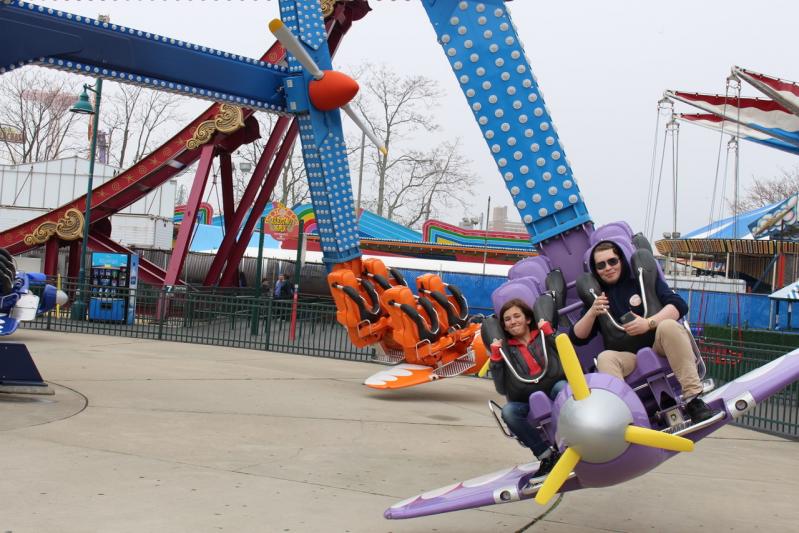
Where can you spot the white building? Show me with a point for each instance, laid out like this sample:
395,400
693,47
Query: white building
28,190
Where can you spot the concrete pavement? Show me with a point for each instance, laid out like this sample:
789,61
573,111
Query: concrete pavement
154,436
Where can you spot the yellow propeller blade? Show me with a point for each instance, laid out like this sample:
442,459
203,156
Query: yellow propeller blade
558,476
483,371
657,439
571,367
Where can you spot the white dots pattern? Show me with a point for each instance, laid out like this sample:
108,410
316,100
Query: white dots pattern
504,95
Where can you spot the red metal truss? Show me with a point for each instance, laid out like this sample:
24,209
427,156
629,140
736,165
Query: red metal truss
186,231
247,199
229,276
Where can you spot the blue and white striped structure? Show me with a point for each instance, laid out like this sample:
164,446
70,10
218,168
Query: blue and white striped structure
321,133
735,227
483,48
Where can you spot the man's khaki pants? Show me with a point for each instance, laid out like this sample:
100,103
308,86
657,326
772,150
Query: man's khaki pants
671,341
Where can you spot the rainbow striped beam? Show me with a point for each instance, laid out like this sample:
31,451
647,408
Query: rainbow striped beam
438,232
204,214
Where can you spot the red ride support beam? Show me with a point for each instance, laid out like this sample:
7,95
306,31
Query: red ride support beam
189,218
73,265
51,256
247,199
226,170
229,276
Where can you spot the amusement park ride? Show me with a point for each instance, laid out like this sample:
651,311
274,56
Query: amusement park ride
609,430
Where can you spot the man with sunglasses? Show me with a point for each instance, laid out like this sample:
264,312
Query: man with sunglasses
622,299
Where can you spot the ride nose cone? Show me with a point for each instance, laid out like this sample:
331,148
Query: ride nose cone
334,90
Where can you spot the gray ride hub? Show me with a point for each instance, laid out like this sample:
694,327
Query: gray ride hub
595,426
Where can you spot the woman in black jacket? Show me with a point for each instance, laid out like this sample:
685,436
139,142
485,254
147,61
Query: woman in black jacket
525,353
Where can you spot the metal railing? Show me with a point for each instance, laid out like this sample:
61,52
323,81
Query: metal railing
221,317
244,319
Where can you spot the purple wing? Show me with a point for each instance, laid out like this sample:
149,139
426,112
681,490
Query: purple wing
504,486
744,393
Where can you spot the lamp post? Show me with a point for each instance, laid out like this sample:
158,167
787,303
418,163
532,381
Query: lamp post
84,107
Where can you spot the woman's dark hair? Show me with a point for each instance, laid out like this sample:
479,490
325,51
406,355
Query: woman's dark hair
521,304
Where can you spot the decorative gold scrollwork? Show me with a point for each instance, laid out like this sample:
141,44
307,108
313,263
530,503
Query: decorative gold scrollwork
327,7
229,119
68,228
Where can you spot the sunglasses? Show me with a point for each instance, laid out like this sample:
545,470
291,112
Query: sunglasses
612,262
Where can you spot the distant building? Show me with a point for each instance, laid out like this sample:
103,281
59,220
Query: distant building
30,189
499,221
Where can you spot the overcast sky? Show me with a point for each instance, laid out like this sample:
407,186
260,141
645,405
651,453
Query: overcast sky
602,67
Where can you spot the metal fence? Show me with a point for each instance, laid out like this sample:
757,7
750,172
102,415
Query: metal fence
727,360
221,317
243,318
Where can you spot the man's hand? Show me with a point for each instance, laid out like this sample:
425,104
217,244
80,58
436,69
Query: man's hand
600,306
637,326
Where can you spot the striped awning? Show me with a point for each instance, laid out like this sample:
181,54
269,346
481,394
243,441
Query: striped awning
684,247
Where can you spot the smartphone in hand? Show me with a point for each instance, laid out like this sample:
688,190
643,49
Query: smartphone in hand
627,317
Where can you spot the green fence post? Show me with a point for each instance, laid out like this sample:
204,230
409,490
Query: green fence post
268,323
161,311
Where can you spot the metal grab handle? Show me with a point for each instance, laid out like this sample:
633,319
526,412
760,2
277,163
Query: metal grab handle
498,419
643,292
516,374
612,321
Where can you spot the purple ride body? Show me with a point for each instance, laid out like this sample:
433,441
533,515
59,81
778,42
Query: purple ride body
514,483
761,383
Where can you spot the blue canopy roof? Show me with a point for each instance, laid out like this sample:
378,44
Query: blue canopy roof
208,238
728,228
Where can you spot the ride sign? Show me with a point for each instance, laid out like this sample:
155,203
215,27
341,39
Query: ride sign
280,222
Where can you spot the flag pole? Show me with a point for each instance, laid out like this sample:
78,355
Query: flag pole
485,235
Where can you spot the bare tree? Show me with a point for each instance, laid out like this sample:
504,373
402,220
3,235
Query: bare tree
292,186
427,182
136,120
766,191
411,185
37,124
34,115
181,194
394,108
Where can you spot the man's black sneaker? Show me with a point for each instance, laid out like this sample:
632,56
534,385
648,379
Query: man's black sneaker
547,464
698,411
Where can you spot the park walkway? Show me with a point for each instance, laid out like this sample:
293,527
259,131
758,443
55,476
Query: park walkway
143,435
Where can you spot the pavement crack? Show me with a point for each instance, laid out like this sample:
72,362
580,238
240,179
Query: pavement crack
294,417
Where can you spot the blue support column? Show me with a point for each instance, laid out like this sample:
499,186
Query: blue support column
321,134
483,48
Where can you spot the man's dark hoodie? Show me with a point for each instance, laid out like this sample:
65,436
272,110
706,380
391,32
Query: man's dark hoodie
625,295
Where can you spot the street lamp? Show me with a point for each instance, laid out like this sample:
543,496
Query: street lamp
84,107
